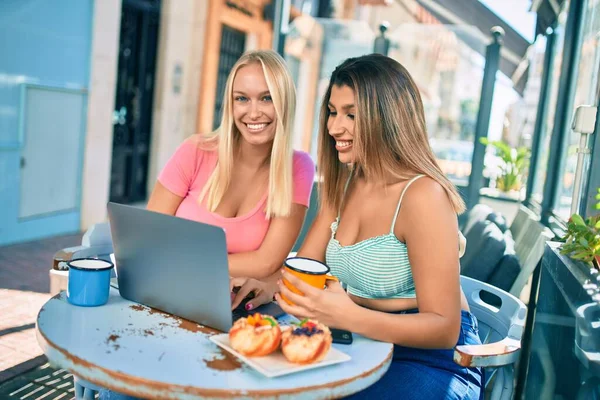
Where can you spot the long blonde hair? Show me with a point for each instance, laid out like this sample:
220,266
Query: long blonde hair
227,137
390,133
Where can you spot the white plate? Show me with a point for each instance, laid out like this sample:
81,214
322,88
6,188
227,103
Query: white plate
275,364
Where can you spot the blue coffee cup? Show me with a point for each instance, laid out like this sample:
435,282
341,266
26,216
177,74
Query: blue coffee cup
89,282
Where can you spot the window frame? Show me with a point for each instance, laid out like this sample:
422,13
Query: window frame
566,98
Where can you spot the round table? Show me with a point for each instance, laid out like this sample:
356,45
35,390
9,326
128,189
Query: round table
143,352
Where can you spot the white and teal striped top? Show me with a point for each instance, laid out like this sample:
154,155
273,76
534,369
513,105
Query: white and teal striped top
374,268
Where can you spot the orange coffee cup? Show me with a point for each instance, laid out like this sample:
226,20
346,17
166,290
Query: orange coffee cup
313,272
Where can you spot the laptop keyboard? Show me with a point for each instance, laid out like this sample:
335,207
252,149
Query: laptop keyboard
239,313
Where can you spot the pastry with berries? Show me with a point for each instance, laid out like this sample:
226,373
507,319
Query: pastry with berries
255,336
306,343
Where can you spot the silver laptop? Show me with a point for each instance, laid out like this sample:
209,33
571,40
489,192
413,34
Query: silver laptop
174,265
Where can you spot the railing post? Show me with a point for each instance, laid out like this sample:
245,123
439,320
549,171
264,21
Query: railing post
492,62
542,113
382,43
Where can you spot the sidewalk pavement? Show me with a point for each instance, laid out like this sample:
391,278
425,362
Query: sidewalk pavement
24,288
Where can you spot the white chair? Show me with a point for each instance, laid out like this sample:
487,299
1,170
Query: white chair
96,242
500,330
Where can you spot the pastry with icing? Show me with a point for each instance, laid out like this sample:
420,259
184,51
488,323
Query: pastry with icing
255,336
306,343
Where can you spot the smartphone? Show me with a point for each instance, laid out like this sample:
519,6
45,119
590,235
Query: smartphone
341,336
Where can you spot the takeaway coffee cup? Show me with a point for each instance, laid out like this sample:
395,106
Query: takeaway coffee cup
313,272
89,282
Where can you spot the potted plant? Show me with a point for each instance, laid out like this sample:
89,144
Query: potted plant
513,166
582,239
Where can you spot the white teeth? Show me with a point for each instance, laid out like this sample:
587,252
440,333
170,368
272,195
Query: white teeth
256,127
343,144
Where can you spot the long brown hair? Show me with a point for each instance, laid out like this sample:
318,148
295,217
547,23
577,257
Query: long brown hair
390,133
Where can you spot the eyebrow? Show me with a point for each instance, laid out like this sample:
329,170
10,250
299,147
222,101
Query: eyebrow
260,94
345,107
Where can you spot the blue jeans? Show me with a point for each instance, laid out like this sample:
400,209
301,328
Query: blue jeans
429,374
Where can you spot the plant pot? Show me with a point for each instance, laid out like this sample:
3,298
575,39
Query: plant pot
597,261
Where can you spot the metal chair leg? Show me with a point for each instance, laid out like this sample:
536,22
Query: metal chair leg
89,394
84,389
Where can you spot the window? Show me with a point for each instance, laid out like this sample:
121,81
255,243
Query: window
447,65
233,43
585,93
545,136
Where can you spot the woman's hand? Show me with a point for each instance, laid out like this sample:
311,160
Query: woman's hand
263,292
330,307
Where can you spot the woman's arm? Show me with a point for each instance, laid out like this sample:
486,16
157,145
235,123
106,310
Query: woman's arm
175,178
431,235
269,257
163,201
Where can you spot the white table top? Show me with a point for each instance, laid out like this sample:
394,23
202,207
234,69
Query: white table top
143,352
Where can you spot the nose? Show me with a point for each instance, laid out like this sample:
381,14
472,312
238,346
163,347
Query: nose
254,110
335,126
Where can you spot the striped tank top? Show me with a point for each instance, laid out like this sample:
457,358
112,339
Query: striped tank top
374,268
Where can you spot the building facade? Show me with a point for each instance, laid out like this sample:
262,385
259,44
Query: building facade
96,96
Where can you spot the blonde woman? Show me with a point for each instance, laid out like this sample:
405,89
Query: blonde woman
387,228
245,177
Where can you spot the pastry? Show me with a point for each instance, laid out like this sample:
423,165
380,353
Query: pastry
255,336
306,343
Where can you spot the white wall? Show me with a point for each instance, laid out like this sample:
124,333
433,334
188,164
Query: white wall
181,47
101,99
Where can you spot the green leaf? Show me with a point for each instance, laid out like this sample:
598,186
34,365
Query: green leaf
576,218
305,320
597,226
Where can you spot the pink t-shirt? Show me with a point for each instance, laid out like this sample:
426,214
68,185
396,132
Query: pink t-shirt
187,172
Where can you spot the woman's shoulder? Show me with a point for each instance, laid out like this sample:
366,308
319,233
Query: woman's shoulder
424,185
302,160
203,142
200,146
194,154
426,195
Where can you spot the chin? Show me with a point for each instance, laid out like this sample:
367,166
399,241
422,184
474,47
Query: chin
345,158
258,139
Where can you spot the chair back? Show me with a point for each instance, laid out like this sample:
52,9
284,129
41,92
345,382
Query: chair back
96,242
519,225
311,214
500,329
496,322
529,249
